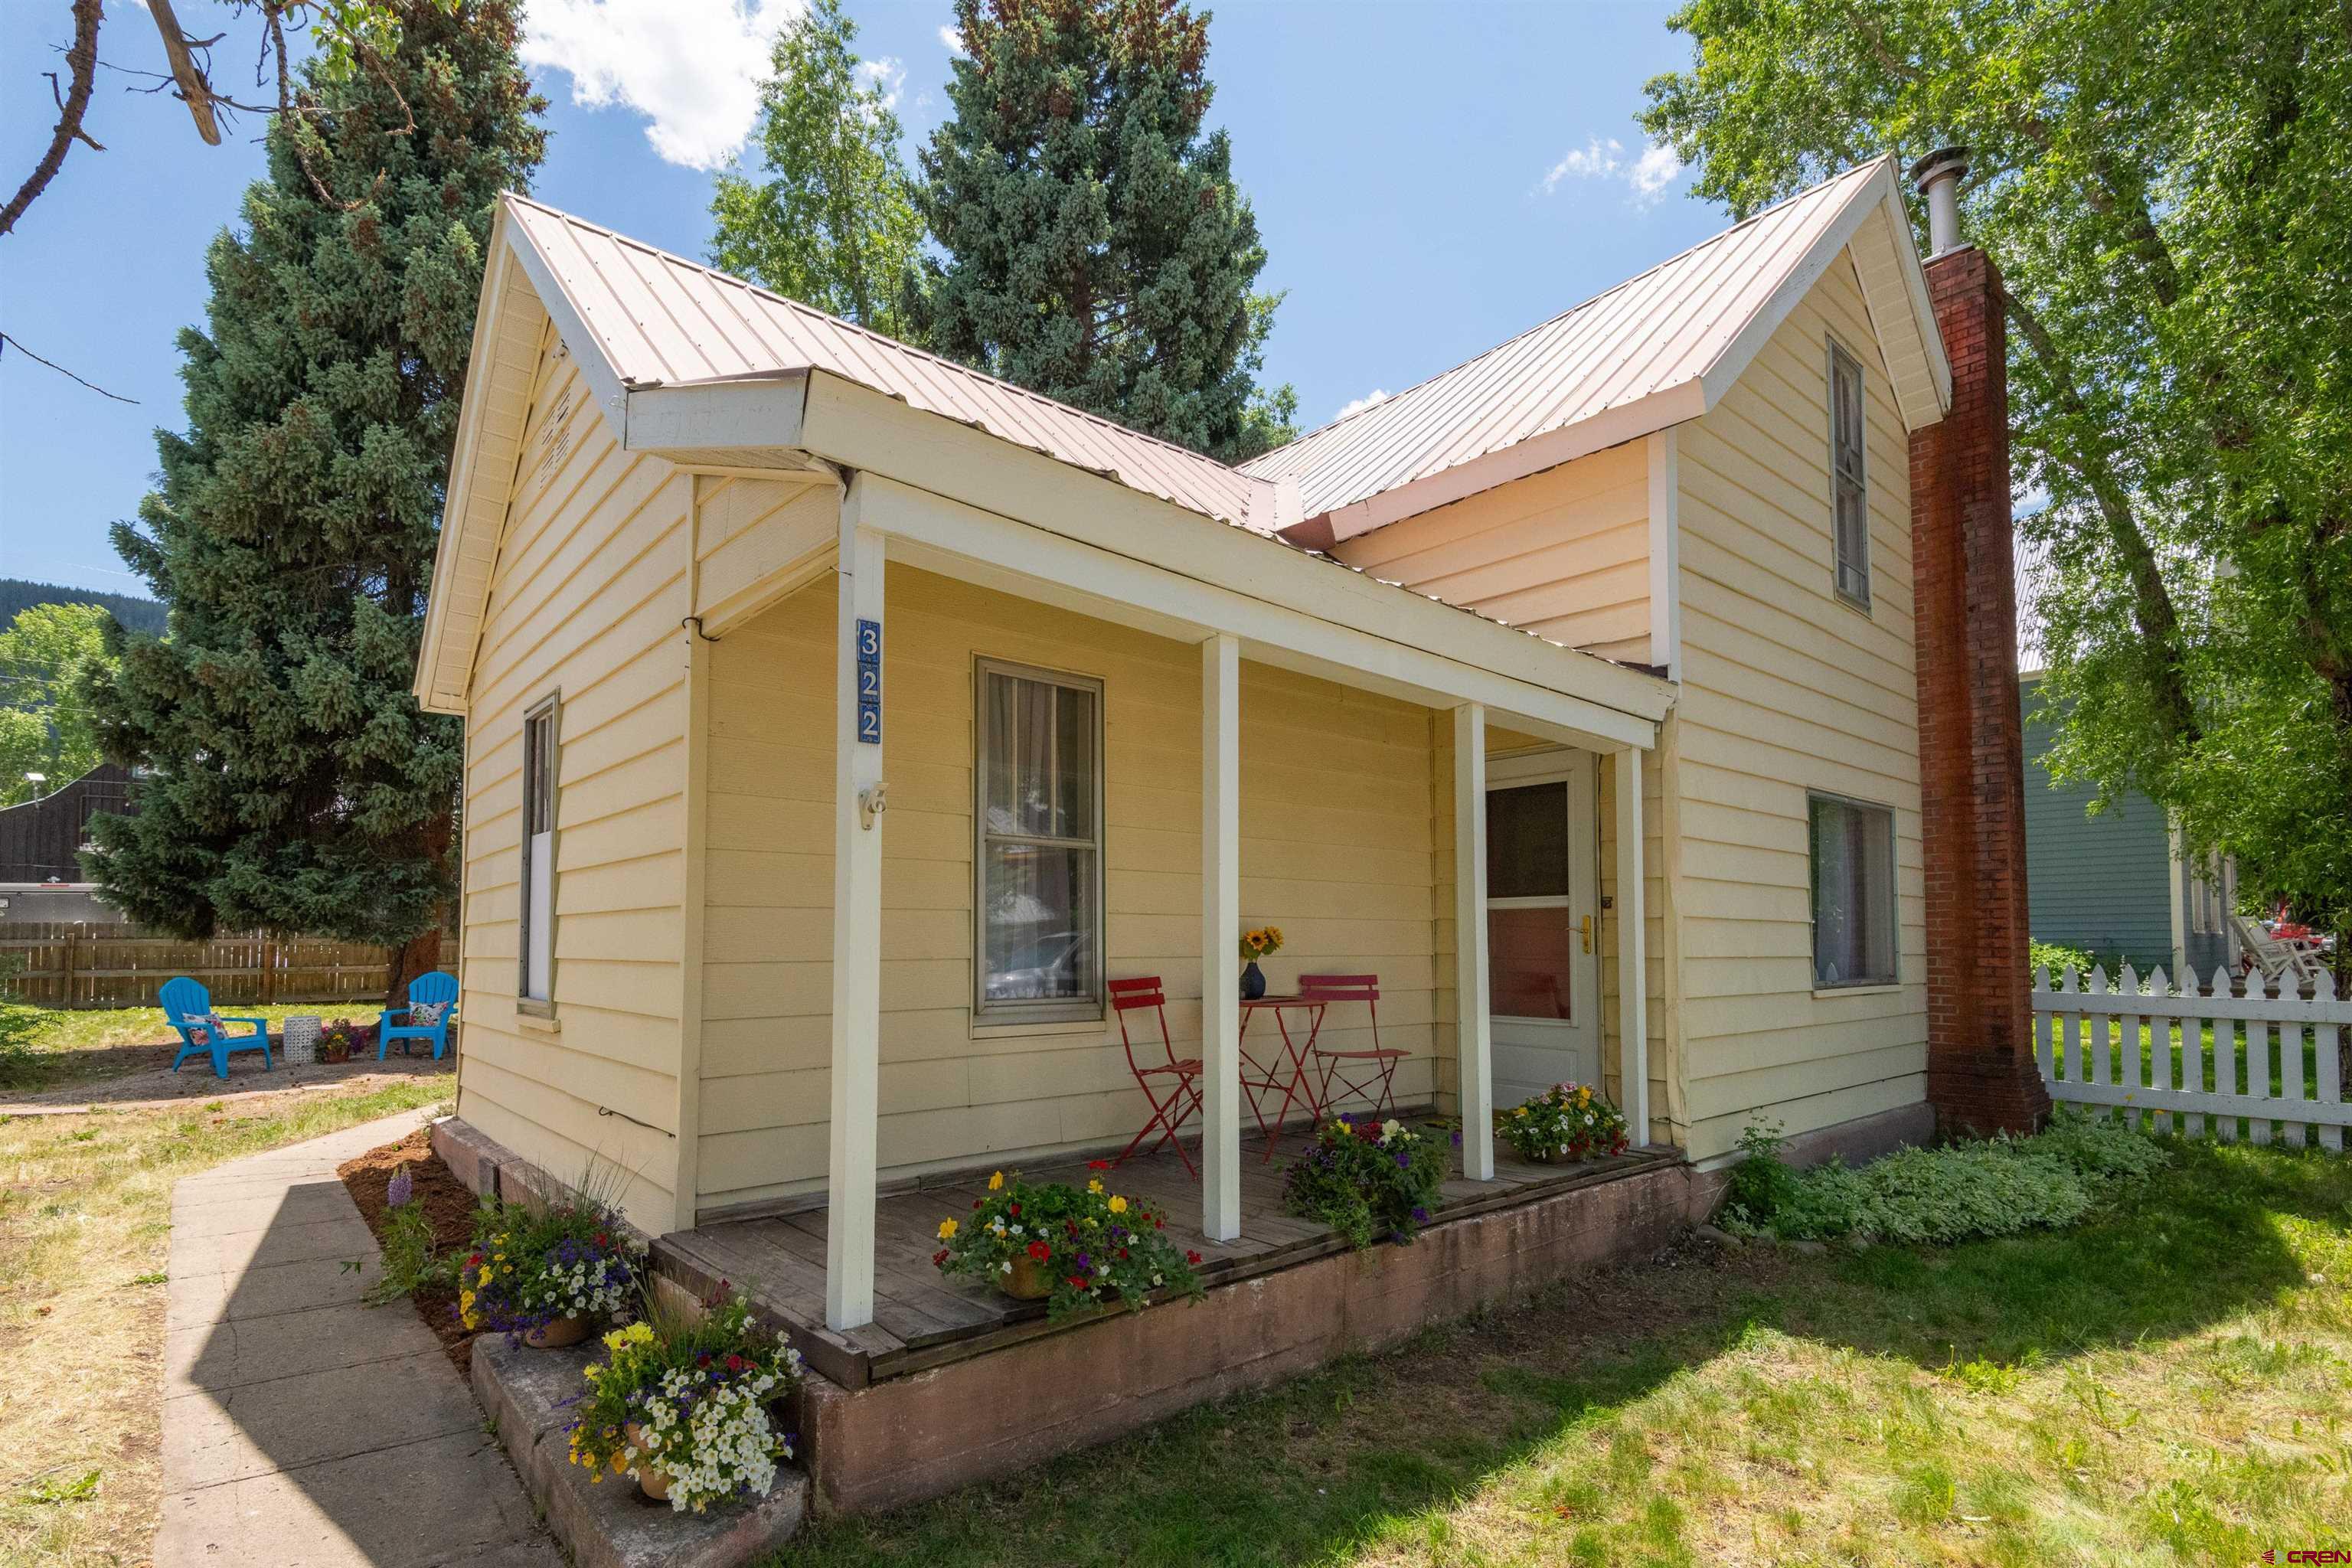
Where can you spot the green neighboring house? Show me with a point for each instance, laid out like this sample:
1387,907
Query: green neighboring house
2112,883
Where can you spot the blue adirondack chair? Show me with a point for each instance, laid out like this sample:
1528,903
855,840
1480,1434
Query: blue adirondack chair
439,987
187,1004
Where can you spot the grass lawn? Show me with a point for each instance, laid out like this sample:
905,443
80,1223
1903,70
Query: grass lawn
84,1211
2170,1383
66,1044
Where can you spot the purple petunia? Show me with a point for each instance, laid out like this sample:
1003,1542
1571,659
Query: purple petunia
1420,1214
401,1189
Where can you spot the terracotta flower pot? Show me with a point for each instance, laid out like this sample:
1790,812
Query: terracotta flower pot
654,1483
1028,1281
556,1334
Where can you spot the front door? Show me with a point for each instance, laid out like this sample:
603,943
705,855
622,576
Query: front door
1540,913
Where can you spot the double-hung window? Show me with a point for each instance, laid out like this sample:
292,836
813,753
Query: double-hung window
1039,878
1849,488
1853,893
536,983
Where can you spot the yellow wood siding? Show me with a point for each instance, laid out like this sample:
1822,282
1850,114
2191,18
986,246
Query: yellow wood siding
589,587
1787,688
1336,849
1564,553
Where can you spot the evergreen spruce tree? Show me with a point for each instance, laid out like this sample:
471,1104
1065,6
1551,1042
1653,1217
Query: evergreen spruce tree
833,225
291,782
1097,248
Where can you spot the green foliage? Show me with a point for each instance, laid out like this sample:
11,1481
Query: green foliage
294,784
2056,957
47,655
20,1023
1097,248
1566,1122
140,615
412,1262
833,224
2161,185
1957,1193
1367,1180
1090,1245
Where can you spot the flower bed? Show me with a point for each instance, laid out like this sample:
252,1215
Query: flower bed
1566,1122
1083,1247
533,1266
684,1404
1367,1179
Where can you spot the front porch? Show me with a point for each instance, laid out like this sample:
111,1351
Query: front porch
952,1383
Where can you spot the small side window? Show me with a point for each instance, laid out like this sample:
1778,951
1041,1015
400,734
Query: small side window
1853,893
1849,485
536,949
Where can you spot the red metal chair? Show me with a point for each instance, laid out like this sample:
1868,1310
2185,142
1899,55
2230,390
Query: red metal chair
1181,1098
1372,1073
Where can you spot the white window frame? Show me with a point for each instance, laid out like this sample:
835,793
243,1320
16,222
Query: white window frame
1849,473
1893,976
1089,1008
535,907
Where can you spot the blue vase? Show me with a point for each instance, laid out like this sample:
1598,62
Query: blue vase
1253,982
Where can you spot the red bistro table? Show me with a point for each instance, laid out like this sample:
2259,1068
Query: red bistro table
1287,1069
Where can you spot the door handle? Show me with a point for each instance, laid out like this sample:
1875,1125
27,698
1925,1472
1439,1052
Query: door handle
1586,925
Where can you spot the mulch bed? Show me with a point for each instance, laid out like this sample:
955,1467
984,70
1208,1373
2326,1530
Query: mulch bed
447,1205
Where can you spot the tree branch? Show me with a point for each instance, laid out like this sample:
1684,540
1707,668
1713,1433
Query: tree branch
82,58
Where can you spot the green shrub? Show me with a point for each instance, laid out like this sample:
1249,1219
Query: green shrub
2056,957
1957,1193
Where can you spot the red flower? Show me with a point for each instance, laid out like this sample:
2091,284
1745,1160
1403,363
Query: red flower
1099,1164
475,1261
1040,1251
1122,1254
975,1203
1015,1209
602,1239
1158,1223
1192,1258
940,1258
734,1363
1075,1283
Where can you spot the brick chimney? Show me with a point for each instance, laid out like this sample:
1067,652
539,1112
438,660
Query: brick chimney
1981,1073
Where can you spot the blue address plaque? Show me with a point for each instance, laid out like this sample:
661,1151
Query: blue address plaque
869,682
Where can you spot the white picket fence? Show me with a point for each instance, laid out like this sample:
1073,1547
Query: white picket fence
2236,1057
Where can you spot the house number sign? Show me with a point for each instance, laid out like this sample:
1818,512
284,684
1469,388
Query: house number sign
869,682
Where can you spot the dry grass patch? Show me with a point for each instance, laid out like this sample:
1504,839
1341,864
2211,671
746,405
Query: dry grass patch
85,1223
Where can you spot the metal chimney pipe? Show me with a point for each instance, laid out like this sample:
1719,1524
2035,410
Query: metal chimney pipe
1938,176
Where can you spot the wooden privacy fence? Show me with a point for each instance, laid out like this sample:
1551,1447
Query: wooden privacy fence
61,964
2249,1058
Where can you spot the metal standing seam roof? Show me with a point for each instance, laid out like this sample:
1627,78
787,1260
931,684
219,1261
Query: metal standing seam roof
659,318
1664,327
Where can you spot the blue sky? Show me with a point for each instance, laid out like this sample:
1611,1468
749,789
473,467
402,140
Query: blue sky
1429,178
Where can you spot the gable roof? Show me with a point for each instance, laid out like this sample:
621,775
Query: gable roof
659,319
1653,351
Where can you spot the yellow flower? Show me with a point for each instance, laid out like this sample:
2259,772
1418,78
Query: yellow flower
1094,1185
947,1228
997,1180
1117,1205
618,1466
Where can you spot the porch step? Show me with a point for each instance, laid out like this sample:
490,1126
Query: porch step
609,1524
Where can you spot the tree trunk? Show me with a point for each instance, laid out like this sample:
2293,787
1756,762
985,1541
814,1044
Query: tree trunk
420,954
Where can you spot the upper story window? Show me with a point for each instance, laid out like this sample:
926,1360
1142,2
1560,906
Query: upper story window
537,945
1854,892
1849,488
1039,879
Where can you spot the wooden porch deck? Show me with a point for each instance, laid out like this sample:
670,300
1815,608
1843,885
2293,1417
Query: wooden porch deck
924,1318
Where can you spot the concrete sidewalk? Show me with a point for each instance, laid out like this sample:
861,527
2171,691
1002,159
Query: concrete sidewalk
301,1428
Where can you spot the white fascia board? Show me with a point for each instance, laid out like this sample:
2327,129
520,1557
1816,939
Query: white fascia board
936,534
716,415
602,376
874,434
1609,427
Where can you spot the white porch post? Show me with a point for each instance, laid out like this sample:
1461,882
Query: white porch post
1221,923
856,929
1472,1023
1632,973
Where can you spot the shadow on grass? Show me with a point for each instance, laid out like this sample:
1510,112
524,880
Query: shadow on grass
1314,1469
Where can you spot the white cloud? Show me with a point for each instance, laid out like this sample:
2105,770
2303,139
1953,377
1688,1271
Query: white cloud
692,67
1378,395
952,39
1645,174
887,75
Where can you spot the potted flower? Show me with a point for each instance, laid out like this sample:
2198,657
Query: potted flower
684,1406
1257,944
1566,1122
337,1043
1070,1248
541,1275
1367,1179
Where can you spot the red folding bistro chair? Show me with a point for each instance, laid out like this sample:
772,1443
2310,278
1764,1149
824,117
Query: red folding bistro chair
1179,1079
1372,1073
